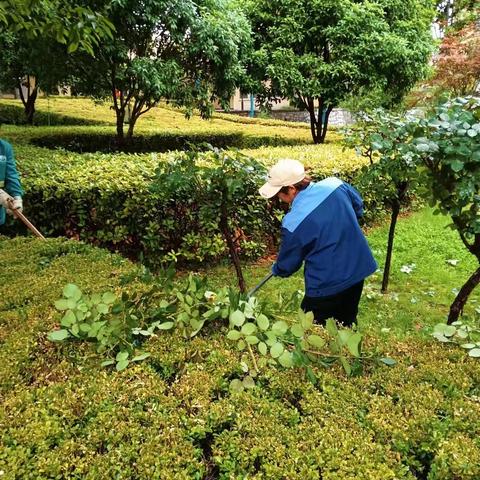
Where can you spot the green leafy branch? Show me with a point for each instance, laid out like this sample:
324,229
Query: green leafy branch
118,326
461,334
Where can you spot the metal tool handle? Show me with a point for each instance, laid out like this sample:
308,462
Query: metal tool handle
260,285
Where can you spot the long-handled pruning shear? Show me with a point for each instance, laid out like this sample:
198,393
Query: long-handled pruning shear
260,285
18,214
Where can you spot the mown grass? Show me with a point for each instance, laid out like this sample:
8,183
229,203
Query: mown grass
164,119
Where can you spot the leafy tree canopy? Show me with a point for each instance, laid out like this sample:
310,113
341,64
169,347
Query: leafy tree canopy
181,51
319,52
70,24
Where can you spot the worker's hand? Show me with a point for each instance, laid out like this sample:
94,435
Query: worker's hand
4,197
17,204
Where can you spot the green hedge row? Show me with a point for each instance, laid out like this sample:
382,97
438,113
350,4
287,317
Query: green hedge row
173,417
155,142
108,200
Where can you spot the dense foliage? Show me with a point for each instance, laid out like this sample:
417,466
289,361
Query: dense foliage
107,200
391,177
30,65
221,199
63,415
448,144
36,38
188,53
444,147
72,25
457,67
318,54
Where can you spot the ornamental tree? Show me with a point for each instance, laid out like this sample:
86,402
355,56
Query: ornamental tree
448,142
392,174
31,63
183,52
318,53
218,191
458,63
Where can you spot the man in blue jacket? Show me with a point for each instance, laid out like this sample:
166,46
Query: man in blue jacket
9,181
321,230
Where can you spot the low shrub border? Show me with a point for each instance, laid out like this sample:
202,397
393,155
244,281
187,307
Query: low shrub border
108,200
173,417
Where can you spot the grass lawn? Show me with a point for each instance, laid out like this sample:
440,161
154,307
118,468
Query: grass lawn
160,119
415,301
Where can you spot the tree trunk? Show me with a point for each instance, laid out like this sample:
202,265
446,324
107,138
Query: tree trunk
131,126
324,127
402,188
391,237
318,120
120,116
313,120
30,106
461,299
231,249
134,113
29,102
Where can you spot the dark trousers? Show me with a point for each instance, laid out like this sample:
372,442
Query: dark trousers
342,306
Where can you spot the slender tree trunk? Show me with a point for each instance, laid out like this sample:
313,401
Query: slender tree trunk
313,120
232,250
325,124
461,299
30,106
391,237
131,124
402,188
134,113
29,102
120,117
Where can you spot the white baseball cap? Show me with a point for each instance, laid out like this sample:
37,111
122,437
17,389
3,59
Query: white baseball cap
284,173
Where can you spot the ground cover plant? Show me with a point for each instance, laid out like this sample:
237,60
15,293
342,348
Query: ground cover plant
64,415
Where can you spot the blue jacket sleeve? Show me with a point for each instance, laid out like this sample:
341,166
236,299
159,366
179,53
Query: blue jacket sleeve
12,179
290,257
356,198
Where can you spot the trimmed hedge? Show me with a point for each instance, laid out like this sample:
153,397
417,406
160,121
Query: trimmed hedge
156,142
107,200
172,416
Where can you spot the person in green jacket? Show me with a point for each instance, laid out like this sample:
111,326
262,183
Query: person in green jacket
9,181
